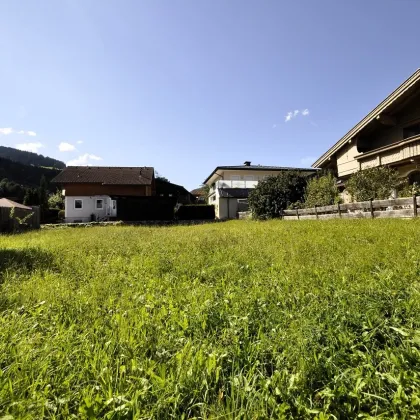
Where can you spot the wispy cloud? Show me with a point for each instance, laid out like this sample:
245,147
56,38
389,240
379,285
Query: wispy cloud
84,160
307,161
66,147
288,117
79,142
30,147
6,131
295,113
10,130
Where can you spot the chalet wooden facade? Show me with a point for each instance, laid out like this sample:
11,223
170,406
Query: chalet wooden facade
388,135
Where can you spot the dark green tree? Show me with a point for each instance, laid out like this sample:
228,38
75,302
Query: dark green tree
322,191
31,197
43,195
277,193
373,183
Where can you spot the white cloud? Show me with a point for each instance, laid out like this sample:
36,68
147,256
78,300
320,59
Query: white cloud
288,116
6,131
79,142
295,113
30,147
307,161
83,160
10,130
65,147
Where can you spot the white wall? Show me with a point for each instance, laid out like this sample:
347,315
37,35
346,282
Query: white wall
88,207
225,212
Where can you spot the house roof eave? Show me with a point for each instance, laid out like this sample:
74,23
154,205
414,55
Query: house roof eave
397,93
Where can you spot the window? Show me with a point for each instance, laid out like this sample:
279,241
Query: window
249,177
78,204
99,204
412,130
235,177
213,198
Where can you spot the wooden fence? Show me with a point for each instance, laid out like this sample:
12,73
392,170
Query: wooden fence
8,224
372,209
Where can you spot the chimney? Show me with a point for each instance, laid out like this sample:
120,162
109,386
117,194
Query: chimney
247,163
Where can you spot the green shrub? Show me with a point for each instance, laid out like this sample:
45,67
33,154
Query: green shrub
407,190
277,193
322,191
56,200
61,214
373,183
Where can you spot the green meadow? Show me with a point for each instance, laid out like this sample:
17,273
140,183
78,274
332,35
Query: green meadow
235,320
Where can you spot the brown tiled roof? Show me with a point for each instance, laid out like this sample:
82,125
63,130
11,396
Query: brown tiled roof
105,175
199,192
5,202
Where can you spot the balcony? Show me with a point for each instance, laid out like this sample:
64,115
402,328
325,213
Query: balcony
236,184
391,154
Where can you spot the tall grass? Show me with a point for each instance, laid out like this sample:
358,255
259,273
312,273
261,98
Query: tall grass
238,320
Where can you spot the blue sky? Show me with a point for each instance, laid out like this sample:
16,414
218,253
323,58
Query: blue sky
187,85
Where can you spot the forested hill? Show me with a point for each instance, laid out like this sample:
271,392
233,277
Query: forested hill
26,175
29,158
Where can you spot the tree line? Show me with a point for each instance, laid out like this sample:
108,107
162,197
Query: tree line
293,189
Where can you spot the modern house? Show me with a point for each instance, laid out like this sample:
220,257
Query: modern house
388,135
230,186
104,193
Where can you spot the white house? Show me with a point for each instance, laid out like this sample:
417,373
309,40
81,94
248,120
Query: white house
230,186
104,193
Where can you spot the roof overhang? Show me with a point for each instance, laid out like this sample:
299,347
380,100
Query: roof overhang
373,115
254,168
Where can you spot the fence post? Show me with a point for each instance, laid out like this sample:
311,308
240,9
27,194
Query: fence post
371,208
415,205
339,210
316,211
297,213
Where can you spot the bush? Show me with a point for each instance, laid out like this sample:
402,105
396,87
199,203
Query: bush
373,183
196,212
322,191
56,200
277,193
61,214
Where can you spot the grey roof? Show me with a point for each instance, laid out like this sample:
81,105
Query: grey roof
105,175
234,192
260,168
5,202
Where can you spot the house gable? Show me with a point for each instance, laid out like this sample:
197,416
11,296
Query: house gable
384,125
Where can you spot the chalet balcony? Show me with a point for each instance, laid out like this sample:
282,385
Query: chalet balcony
391,154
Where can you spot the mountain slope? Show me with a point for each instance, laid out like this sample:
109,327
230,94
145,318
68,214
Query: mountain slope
26,175
29,158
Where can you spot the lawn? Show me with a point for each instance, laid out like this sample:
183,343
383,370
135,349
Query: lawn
252,320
